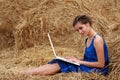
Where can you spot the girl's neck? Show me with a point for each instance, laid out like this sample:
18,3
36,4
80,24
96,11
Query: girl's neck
91,33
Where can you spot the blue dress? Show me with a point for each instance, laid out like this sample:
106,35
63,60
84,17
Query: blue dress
90,56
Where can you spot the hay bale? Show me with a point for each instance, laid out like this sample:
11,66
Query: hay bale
6,36
25,24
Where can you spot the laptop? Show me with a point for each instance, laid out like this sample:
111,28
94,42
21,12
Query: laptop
58,57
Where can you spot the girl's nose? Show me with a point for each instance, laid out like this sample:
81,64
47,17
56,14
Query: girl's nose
80,31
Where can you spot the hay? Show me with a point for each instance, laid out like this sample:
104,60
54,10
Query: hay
24,25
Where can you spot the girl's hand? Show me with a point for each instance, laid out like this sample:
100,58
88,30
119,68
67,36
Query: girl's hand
72,59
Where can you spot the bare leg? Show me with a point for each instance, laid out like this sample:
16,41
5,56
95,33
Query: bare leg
47,69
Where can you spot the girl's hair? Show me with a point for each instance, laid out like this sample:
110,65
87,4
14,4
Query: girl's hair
83,19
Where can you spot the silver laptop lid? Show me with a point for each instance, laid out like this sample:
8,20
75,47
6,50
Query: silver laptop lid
51,45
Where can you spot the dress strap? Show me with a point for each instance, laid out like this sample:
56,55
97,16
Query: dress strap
95,35
86,42
92,39
100,36
92,42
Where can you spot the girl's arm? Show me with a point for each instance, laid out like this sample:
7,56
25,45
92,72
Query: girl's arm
99,46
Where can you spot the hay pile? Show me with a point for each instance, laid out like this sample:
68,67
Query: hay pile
24,25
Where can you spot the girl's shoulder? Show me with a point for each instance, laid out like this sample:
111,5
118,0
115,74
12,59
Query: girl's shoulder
98,39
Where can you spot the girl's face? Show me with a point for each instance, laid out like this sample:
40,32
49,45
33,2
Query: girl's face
83,29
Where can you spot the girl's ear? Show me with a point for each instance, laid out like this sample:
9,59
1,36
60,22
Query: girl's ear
88,25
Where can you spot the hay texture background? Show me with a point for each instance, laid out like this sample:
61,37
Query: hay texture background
24,25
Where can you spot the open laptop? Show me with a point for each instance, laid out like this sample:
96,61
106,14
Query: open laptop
58,57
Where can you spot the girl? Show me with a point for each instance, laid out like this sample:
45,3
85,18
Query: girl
95,55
